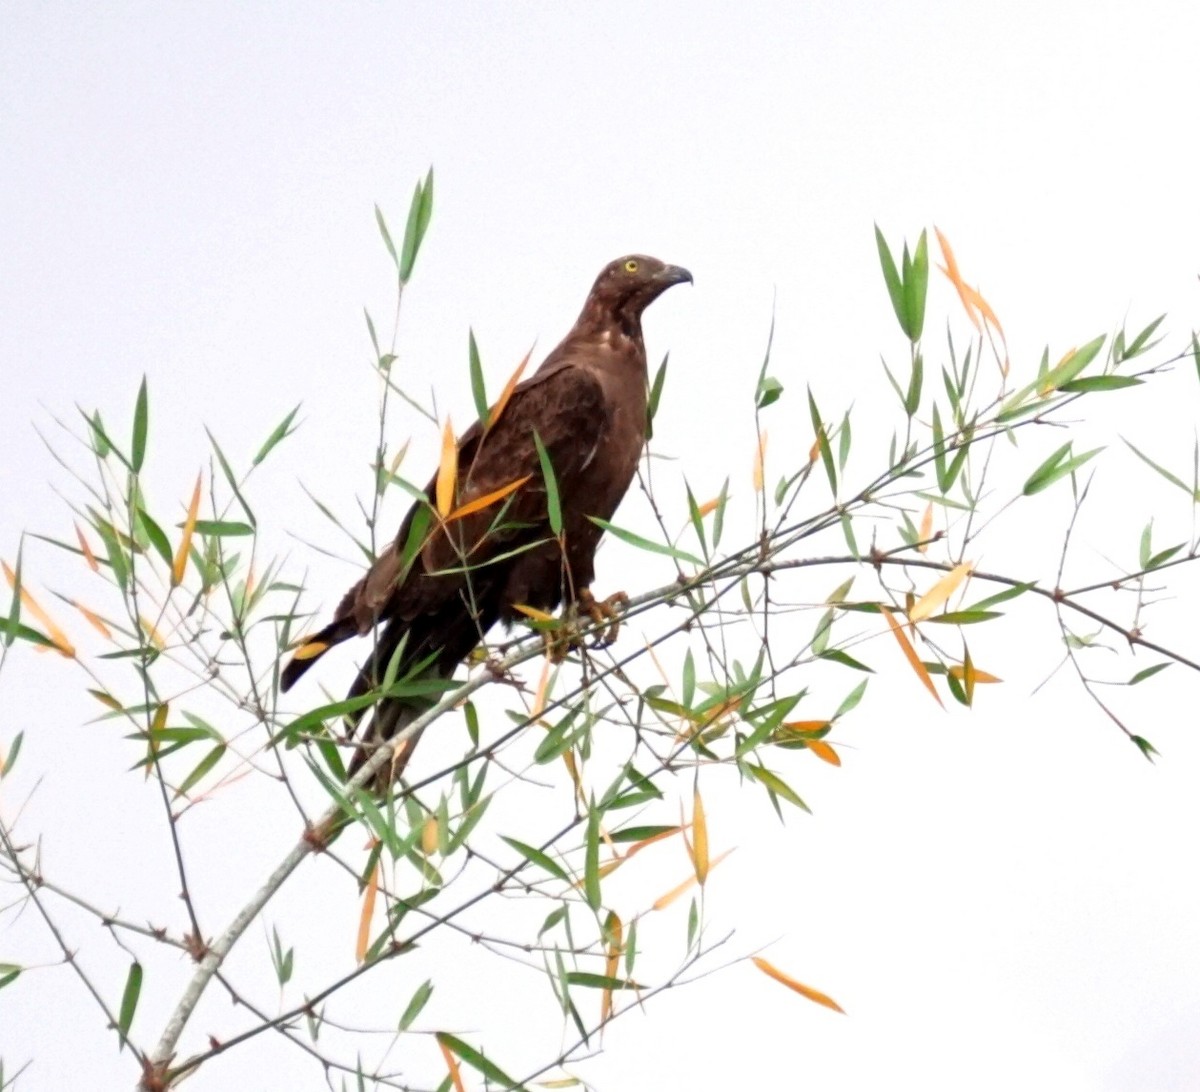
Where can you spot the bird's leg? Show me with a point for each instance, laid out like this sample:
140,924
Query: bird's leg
602,612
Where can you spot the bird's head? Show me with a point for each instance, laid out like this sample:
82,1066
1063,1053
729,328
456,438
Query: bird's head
627,286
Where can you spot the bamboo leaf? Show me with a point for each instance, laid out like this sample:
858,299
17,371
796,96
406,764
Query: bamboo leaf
129,1001
202,768
447,475
284,428
416,1003
478,1061
645,543
940,592
910,653
816,996
553,508
141,422
478,388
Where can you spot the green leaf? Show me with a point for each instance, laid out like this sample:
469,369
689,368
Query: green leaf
221,528
9,973
822,442
851,700
1002,597
537,857
645,543
1145,746
141,420
387,239
840,656
600,981
776,785
12,625
416,1003
916,284
101,444
1088,383
591,860
769,390
1057,466
553,508
281,432
230,477
895,287
964,617
1194,494
202,768
10,759
420,210
478,1062
1142,342
156,536
641,833
478,389
1069,368
1146,673
652,399
129,1000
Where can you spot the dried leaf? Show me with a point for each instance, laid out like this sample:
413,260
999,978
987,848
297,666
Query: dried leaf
185,543
910,654
96,621
56,635
488,499
824,752
771,971
699,838
666,900
368,911
760,455
939,593
509,387
925,532
452,1065
88,556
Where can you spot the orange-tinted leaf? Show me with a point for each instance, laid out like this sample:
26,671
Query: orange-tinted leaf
55,634
823,751
941,591
637,847
488,499
708,506
185,543
543,687
955,278
771,971
106,699
447,475
88,556
509,387
814,452
96,621
699,838
760,455
910,653
368,911
666,900
452,1065
925,533
803,726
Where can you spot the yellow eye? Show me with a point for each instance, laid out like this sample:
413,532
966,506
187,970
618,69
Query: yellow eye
631,266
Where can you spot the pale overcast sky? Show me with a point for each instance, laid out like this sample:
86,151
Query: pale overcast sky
1006,899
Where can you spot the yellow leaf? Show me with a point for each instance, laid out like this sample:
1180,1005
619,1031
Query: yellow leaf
88,556
637,847
487,500
941,591
910,654
398,458
823,751
533,612
148,627
774,972
666,900
55,634
926,530
509,387
452,1065
708,506
980,676
760,455
106,699
814,452
185,543
447,476
699,838
543,687
368,911
429,836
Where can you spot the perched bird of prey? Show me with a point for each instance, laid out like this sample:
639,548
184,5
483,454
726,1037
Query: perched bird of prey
459,565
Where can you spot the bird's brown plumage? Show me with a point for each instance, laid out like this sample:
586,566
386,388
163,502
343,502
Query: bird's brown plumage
440,586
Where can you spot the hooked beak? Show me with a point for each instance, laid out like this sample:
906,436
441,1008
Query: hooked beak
674,274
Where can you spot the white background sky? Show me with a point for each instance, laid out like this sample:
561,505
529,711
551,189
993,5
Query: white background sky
1006,899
